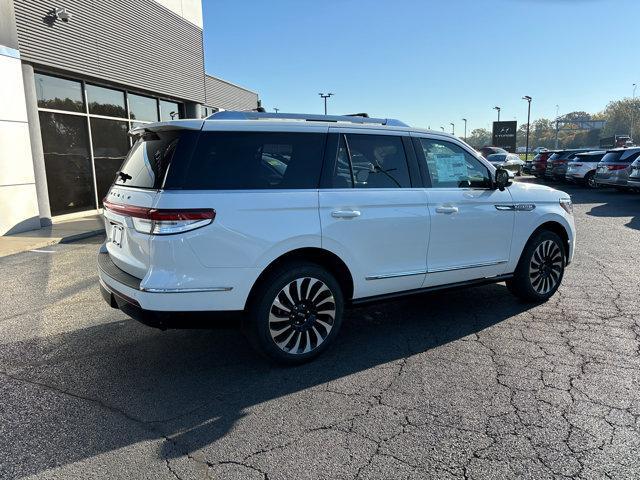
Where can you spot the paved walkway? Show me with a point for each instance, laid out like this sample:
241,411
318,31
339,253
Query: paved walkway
60,232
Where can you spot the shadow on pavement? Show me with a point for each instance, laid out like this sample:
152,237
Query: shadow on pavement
119,383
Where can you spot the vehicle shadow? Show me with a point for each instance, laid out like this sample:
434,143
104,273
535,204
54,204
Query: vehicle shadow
118,383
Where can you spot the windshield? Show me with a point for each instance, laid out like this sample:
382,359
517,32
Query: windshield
148,160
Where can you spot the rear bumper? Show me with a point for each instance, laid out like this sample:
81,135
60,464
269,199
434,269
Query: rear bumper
126,290
613,181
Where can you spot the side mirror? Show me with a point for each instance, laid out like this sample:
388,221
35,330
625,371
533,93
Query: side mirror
501,179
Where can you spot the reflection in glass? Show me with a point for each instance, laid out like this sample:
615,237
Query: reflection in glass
106,101
59,94
110,147
169,111
143,108
65,142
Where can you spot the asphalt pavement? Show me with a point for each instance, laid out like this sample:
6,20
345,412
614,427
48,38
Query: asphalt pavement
468,384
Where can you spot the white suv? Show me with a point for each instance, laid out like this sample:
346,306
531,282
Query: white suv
290,218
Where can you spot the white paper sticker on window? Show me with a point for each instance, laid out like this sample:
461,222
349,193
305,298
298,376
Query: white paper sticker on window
451,168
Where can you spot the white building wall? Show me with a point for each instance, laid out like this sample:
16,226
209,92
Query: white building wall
18,199
190,10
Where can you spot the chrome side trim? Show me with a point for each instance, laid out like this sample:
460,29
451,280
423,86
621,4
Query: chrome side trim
397,274
464,267
185,290
505,207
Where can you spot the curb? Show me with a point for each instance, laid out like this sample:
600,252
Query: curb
81,236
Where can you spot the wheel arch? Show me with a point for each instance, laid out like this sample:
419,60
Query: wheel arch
324,258
558,229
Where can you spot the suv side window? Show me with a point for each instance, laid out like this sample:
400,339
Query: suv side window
254,160
450,166
371,161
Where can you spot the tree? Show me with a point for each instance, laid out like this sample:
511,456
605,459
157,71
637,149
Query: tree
619,114
479,137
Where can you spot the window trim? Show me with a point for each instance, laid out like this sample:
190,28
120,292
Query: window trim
422,160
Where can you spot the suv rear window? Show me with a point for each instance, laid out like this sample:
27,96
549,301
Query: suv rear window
251,161
616,157
148,160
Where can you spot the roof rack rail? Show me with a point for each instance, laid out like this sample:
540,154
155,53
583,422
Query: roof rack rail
252,115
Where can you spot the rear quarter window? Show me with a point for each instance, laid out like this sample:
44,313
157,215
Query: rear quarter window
252,161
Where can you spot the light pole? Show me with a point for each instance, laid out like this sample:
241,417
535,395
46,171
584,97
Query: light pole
453,128
633,105
498,109
276,109
465,129
442,128
325,96
528,99
557,124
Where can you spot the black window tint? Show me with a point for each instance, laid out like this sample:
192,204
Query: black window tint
110,146
378,161
148,160
450,166
106,101
65,142
58,93
254,160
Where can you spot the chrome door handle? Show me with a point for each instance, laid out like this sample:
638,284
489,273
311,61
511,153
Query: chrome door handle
444,209
345,213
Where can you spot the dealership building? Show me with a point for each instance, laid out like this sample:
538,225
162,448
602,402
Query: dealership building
75,76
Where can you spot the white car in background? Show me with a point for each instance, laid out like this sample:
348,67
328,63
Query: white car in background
291,218
582,168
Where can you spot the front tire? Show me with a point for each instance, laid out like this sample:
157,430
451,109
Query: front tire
590,180
540,269
295,313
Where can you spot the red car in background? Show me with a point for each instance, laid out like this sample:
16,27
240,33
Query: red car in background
539,165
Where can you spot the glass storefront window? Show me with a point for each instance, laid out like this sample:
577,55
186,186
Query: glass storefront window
143,108
106,101
65,142
58,93
110,147
169,111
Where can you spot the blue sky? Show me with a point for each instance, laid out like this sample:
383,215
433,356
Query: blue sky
428,63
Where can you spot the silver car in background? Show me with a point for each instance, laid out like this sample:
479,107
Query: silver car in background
582,168
615,167
634,175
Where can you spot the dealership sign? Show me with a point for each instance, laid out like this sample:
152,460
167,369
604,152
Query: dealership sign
504,135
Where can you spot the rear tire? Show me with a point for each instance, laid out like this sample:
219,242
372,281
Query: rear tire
590,180
295,313
540,269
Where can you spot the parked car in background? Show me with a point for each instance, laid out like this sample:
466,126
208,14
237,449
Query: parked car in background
615,167
582,169
539,164
540,150
557,163
634,175
313,214
526,168
509,161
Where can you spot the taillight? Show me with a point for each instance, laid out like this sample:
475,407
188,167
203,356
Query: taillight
159,221
616,167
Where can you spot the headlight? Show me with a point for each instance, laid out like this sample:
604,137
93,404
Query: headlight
566,204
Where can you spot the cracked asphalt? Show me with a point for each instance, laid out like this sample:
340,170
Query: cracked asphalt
469,384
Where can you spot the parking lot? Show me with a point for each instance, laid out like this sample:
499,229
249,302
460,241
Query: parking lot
467,384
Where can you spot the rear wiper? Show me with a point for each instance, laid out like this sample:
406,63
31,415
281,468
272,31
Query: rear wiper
124,176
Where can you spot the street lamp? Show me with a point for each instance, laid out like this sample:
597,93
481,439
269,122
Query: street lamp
325,96
465,129
276,109
453,128
442,128
528,99
633,105
498,109
557,124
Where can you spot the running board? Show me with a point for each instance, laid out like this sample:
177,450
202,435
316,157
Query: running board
449,286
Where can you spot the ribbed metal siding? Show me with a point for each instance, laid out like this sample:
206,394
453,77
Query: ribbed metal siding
136,43
225,95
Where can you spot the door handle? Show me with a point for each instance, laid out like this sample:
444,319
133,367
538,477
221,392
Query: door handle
446,209
345,213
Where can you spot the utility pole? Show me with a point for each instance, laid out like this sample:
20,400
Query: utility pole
633,106
557,124
498,109
325,96
465,129
528,99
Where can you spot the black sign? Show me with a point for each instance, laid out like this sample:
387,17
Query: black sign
504,135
